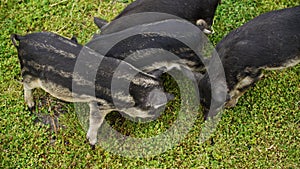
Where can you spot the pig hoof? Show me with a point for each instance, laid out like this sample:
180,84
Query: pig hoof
92,146
31,109
92,137
231,103
30,105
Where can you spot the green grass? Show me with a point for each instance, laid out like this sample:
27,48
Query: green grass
262,131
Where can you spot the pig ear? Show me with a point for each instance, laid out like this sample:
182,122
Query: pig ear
14,38
100,22
157,73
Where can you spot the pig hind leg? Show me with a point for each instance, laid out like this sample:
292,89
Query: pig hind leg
242,87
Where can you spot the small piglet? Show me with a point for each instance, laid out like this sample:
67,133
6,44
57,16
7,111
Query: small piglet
268,42
73,73
199,12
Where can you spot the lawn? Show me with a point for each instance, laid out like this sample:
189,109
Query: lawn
262,131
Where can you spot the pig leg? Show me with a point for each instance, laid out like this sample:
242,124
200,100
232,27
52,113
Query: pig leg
29,83
96,119
28,97
243,85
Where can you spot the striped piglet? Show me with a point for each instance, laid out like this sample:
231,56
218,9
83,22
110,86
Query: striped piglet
73,73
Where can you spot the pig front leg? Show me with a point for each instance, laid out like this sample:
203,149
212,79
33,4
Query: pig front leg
96,119
28,98
29,84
